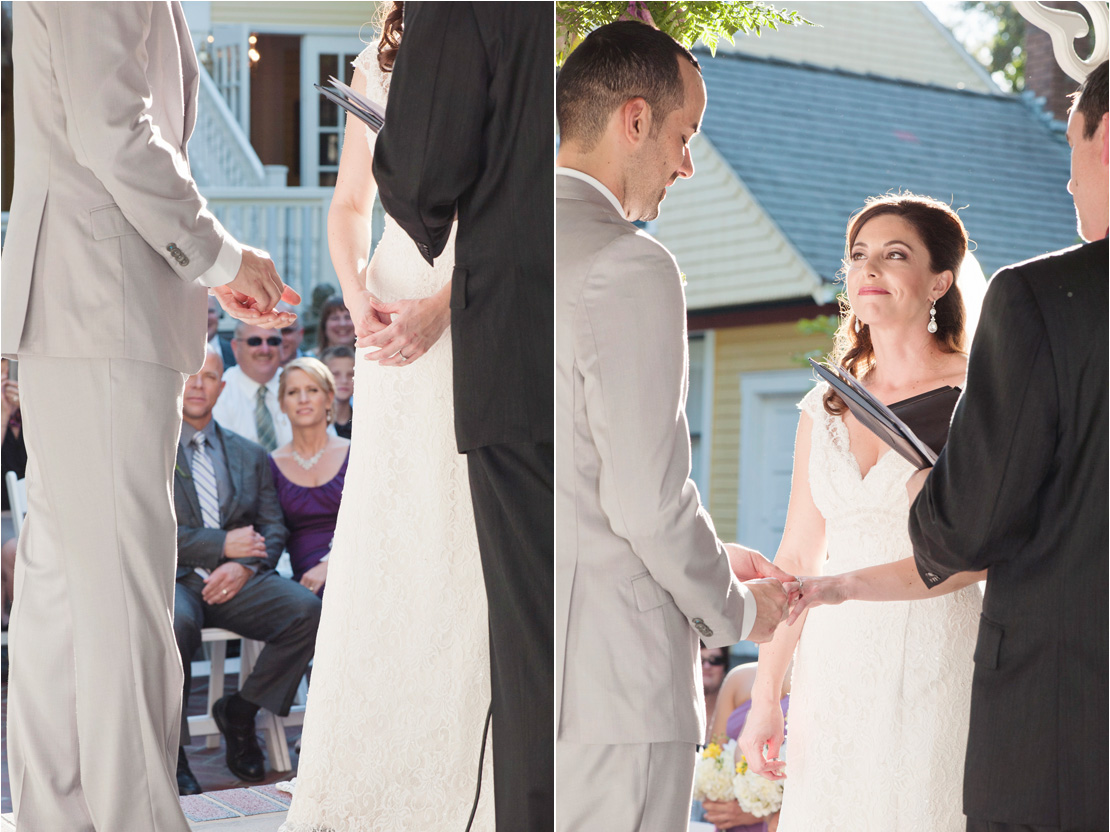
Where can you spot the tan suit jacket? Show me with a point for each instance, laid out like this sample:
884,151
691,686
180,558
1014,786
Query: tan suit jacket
107,233
640,574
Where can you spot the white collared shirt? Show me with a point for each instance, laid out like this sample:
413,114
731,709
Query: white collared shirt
234,409
585,177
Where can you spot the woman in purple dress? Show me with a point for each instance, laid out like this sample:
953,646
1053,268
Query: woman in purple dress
734,701
309,471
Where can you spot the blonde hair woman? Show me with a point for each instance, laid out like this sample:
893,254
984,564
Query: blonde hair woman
310,470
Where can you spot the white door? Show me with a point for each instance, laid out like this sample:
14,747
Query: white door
322,122
768,425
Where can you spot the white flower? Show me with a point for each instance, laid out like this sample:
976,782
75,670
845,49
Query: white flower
713,772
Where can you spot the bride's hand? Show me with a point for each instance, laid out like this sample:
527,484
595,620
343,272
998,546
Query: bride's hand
366,318
764,727
815,592
415,325
724,814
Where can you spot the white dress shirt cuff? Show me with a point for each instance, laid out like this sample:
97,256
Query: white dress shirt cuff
227,264
749,612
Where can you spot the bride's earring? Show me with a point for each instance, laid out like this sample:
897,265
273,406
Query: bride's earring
857,324
932,327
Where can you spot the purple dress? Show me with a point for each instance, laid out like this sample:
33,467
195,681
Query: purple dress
733,728
310,515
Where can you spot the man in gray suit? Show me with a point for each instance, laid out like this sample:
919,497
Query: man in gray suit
230,534
109,250
640,572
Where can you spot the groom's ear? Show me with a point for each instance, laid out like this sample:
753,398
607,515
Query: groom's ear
634,117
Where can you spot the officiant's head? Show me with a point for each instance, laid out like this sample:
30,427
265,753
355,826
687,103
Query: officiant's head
629,99
1090,157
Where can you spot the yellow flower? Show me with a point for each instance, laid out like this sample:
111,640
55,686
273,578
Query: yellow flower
712,750
742,766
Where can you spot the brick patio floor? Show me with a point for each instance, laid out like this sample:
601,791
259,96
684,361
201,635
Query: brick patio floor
207,764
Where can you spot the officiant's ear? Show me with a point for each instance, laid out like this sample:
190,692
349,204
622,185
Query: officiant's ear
635,120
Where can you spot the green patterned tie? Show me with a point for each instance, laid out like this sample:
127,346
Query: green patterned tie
264,422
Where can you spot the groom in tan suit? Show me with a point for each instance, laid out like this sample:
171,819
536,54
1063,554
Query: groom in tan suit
640,573
109,250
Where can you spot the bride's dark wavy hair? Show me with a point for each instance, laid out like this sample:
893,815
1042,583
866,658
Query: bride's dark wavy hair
945,238
392,23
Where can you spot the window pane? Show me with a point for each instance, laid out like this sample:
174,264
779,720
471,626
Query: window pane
329,150
329,113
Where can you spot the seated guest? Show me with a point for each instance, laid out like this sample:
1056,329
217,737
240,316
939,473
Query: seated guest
249,405
14,459
335,327
714,666
734,701
229,538
341,362
291,336
309,471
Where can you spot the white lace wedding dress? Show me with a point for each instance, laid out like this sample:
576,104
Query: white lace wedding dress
400,681
880,696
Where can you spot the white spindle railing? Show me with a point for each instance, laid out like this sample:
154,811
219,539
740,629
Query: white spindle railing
289,223
219,152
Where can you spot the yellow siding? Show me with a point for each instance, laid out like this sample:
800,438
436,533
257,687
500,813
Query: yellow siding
743,350
894,39
316,13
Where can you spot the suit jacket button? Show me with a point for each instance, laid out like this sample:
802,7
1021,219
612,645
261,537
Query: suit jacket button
932,577
702,628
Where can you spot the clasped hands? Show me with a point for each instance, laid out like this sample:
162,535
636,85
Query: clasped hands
254,292
402,331
775,591
228,578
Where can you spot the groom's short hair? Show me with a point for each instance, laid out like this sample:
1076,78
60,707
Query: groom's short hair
1091,100
617,62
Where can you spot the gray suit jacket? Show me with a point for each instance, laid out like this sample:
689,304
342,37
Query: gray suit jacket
107,232
639,571
254,502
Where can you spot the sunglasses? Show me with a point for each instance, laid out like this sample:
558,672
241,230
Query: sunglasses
256,340
714,661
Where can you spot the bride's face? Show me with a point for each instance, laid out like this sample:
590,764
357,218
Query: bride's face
890,284
305,402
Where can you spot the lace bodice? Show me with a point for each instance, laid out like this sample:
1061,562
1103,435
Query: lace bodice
881,690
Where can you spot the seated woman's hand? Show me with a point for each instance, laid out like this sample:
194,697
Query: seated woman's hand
726,813
315,577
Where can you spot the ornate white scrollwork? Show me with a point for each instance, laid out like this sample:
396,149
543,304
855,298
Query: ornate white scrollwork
1065,26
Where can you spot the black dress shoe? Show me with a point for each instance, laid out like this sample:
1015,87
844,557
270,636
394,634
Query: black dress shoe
186,782
244,756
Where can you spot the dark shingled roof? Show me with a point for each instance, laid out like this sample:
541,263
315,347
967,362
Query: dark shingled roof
813,143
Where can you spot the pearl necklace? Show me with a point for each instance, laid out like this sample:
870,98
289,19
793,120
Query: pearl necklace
308,463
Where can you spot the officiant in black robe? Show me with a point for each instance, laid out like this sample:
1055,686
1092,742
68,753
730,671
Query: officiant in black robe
1021,491
469,130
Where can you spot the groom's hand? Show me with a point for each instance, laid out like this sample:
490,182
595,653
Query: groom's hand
770,607
747,564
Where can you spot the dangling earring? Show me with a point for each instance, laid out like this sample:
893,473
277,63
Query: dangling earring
932,327
857,325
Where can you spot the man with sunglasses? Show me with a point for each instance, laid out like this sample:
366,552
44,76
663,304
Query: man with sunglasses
249,404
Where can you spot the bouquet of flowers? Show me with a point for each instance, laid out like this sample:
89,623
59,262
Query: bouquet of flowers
714,772
755,793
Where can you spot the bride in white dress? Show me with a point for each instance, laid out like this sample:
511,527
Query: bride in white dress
400,684
880,691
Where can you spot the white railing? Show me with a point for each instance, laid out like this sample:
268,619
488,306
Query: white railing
219,151
289,223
